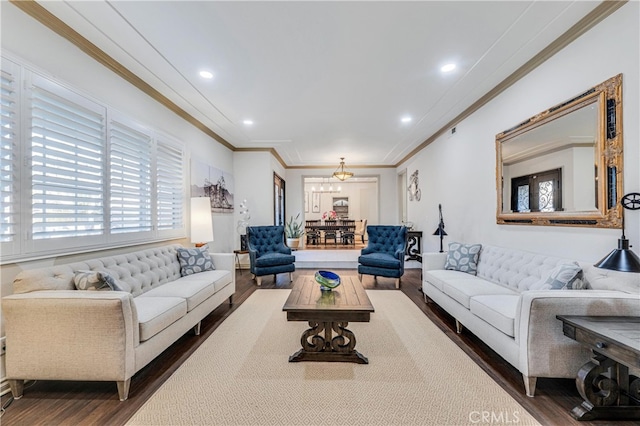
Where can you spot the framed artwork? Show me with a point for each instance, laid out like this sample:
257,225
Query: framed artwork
209,181
306,201
315,202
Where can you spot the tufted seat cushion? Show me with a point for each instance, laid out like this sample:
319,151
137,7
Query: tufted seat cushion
275,259
382,260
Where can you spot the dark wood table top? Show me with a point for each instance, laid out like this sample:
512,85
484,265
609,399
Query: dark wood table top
606,331
348,302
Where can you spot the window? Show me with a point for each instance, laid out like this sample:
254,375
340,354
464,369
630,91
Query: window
130,179
67,163
538,192
9,170
170,191
91,177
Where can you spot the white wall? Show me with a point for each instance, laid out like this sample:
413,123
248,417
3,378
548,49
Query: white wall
459,170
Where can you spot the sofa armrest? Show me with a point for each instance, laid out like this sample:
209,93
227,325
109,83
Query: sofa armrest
225,262
70,335
544,349
431,261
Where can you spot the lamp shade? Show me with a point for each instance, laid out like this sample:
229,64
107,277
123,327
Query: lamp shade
440,231
621,259
201,221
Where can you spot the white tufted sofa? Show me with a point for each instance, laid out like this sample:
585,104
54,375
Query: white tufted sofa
54,332
500,307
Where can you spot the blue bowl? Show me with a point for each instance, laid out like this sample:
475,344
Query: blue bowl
327,280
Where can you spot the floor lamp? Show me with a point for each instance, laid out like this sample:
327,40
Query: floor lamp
201,221
440,231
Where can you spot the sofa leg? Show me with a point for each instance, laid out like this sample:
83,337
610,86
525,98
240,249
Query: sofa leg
196,328
259,280
458,327
290,277
123,389
530,385
397,282
231,299
17,388
426,299
360,277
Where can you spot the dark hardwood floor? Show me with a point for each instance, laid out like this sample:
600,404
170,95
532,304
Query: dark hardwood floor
96,403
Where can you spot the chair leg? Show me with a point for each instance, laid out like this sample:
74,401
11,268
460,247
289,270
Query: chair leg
290,277
259,280
397,282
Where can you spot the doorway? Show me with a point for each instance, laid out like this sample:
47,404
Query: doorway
278,200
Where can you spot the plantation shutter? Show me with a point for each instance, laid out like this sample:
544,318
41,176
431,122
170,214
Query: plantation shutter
67,159
9,158
170,188
130,180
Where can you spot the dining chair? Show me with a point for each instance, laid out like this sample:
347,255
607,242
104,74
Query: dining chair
347,231
312,233
331,231
361,229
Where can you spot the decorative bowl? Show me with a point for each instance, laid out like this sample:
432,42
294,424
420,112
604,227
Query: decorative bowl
327,280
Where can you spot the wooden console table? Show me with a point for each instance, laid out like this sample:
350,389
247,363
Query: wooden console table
604,382
414,246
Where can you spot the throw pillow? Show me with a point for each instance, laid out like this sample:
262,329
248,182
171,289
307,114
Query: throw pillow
194,260
95,280
564,277
463,257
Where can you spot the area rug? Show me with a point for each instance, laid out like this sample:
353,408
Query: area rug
415,376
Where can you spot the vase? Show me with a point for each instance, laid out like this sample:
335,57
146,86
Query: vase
293,243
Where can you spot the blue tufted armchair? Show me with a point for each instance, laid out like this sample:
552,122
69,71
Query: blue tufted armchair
267,253
384,254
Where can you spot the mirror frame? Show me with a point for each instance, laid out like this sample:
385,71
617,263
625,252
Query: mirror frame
608,155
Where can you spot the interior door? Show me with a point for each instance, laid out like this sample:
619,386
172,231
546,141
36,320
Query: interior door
278,200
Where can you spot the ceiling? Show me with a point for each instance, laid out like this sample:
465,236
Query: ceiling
323,80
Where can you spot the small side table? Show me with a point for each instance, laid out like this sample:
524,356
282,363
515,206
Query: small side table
238,253
604,382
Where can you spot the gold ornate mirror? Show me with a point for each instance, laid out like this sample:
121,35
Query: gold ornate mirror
563,167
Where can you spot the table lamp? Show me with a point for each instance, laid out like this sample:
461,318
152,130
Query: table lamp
440,230
201,221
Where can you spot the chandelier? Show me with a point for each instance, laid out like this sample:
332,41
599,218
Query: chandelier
341,173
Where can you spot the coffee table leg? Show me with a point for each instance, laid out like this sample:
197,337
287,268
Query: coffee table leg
319,346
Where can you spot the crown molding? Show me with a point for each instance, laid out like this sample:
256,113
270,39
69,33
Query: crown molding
602,11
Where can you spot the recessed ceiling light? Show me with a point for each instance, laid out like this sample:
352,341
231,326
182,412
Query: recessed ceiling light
448,68
406,119
247,122
206,74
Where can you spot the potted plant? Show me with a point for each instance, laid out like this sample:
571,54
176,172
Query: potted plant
293,230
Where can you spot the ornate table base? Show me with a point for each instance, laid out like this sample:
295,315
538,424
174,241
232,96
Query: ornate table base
606,396
319,345
609,392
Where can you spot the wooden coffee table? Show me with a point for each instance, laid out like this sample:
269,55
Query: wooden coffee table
328,312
